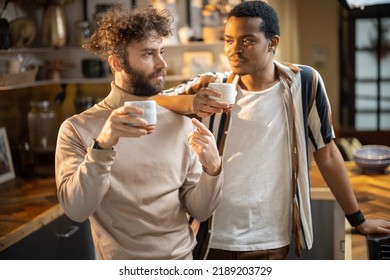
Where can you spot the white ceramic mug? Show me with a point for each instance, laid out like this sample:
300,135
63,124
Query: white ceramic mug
228,91
149,107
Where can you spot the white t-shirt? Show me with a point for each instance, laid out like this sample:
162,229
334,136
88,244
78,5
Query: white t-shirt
254,213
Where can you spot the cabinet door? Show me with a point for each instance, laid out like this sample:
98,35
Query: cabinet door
329,233
62,239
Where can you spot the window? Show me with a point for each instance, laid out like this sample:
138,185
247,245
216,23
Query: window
365,68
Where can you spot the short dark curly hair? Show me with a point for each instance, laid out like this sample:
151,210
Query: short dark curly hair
270,22
120,26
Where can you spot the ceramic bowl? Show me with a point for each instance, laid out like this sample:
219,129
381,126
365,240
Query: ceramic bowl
372,158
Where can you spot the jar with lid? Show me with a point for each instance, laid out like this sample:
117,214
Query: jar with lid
43,129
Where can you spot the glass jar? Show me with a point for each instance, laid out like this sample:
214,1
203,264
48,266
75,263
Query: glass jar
43,129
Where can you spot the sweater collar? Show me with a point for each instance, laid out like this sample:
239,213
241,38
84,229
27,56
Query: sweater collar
117,97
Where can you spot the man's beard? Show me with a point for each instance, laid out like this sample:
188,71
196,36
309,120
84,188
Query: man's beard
139,82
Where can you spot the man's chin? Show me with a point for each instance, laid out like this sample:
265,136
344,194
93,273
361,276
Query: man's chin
160,86
239,72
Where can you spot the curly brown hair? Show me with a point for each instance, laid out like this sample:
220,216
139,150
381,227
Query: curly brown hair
120,26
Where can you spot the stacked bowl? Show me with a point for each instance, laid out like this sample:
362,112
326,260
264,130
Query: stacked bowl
372,159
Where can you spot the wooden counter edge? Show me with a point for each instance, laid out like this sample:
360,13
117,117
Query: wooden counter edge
321,194
348,241
31,226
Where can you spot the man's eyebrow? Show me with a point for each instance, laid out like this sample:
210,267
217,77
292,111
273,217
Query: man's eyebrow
241,37
152,49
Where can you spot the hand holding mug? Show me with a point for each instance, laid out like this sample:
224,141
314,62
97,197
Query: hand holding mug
149,113
125,121
216,98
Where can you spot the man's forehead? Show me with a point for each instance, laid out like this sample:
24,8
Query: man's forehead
152,42
243,26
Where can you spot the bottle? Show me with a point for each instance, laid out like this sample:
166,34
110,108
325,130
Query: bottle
42,128
26,160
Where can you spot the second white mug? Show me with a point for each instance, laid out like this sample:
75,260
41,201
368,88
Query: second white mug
228,91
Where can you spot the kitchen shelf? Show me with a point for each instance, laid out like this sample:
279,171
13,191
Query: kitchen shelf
72,56
169,78
55,82
189,46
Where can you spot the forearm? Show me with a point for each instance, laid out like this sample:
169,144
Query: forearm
180,98
331,165
181,104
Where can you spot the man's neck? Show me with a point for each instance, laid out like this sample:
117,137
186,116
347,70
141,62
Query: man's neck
261,80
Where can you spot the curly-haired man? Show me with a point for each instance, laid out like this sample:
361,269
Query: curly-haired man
134,182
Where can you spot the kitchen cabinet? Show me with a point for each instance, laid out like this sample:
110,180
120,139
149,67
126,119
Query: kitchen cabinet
373,195
61,239
329,232
329,223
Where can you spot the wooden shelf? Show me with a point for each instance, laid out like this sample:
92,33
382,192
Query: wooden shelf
57,82
170,78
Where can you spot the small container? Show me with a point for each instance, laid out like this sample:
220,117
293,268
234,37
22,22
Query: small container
92,68
43,129
83,32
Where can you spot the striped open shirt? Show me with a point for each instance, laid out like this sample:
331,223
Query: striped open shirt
313,124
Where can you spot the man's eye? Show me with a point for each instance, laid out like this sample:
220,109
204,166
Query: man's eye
228,41
246,42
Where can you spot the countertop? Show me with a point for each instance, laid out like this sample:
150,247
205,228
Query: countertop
373,195
27,205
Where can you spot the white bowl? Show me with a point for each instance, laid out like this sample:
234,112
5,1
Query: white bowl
372,158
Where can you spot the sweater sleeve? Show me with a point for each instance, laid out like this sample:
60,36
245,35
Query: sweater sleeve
201,200
82,174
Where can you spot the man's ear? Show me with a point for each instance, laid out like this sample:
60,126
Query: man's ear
273,43
115,63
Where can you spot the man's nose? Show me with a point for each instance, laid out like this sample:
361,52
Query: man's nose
160,63
235,47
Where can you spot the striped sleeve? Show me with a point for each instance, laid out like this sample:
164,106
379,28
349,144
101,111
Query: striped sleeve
320,117
192,86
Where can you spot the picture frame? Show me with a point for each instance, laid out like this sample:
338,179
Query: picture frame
94,7
7,171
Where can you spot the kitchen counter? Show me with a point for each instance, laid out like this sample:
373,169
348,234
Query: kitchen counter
25,207
28,205
373,195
